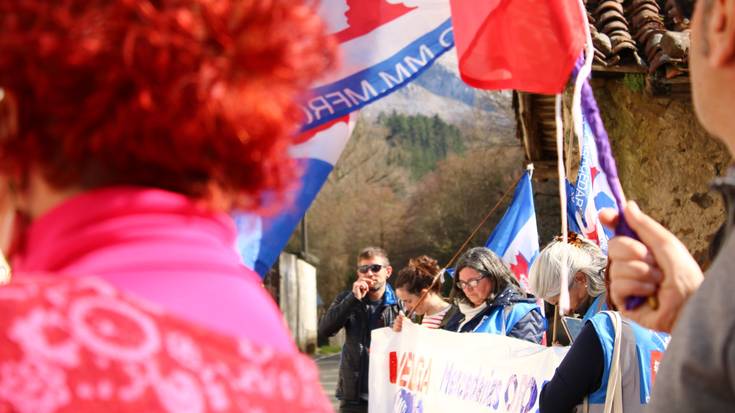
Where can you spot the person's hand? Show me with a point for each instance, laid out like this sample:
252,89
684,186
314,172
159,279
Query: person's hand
398,323
360,288
659,265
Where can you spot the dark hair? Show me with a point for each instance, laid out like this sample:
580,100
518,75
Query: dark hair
372,252
487,263
197,97
419,274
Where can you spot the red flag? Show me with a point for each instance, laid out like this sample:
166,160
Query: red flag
528,45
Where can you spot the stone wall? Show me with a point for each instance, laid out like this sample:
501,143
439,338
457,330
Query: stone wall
665,160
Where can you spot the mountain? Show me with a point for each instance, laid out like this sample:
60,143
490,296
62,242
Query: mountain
439,91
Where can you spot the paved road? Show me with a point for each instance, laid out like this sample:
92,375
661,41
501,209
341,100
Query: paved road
328,373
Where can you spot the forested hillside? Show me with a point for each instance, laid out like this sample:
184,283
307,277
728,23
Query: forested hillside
408,184
420,141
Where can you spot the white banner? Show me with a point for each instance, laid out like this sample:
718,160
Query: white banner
422,370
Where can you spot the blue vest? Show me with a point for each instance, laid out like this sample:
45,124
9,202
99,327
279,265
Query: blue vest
649,348
597,305
502,320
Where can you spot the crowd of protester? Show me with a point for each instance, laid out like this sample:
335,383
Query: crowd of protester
129,130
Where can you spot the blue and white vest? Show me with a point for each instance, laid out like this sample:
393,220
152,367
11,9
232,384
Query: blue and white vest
640,354
598,304
502,320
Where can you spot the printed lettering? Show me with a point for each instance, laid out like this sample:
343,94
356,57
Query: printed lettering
424,385
307,115
510,394
393,366
413,372
319,104
391,81
405,370
425,55
529,395
367,91
337,98
446,39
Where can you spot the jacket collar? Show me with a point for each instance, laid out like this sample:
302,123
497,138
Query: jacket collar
507,297
390,296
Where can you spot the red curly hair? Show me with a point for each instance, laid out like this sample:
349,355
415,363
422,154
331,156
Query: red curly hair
419,274
184,95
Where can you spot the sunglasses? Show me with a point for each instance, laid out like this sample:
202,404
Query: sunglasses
363,269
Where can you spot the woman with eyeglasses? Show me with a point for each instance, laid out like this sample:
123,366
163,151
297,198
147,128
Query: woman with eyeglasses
490,299
419,279
583,376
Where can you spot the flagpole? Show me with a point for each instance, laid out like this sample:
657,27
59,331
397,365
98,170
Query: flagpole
467,241
553,327
564,293
584,73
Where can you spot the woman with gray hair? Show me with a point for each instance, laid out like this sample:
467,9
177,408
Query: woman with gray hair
586,264
585,372
490,299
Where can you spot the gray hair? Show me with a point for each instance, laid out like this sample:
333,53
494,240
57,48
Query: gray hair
487,263
581,256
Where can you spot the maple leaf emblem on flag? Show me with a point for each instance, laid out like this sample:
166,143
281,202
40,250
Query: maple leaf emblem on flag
593,172
364,16
520,269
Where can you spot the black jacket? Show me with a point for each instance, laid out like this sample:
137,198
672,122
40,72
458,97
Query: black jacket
530,328
349,312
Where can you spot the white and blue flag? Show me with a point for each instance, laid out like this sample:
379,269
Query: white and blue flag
589,195
515,238
384,45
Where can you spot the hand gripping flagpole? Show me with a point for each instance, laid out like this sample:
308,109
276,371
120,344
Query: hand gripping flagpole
591,112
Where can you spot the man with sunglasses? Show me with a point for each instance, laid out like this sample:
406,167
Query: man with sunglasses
698,372
370,304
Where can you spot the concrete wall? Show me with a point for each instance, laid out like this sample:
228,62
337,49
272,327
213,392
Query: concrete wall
298,300
307,306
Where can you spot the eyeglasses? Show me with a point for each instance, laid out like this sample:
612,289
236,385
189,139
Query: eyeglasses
463,285
363,269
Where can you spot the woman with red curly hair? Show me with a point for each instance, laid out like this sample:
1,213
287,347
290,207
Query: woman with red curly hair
128,130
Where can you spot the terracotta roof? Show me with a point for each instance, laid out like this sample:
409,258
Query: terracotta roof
641,35
648,38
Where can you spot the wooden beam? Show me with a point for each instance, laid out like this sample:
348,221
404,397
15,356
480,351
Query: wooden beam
619,69
530,126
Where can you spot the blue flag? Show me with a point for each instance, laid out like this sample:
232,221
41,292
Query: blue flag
515,238
384,45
